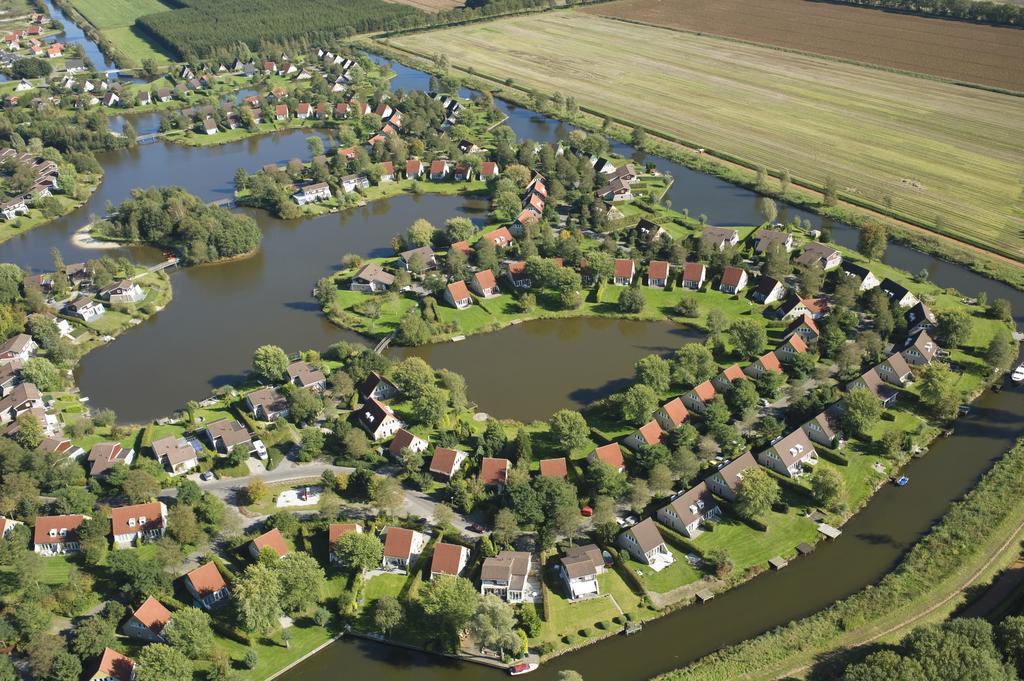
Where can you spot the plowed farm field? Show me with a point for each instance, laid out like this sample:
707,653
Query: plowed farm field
958,50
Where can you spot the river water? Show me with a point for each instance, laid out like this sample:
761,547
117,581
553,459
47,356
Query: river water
74,34
221,312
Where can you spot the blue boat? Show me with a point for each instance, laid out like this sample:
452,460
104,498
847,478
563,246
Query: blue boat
901,481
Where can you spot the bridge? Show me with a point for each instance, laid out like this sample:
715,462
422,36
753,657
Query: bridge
223,203
148,138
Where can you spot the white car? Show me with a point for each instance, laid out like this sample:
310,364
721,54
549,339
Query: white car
259,449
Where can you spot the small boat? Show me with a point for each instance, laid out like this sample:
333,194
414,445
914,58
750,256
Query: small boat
1018,374
901,481
522,668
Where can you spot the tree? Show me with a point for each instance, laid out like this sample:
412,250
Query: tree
954,328
603,479
139,486
312,443
828,487
1000,352
257,596
303,405
270,363
938,390
161,662
494,626
430,406
861,411
506,527
65,667
189,631
256,491
743,398
653,371
569,429
420,234
811,279
359,551
639,495
92,635
957,649
183,526
693,365
1010,638
632,301
413,375
43,373
29,433
756,494
885,665
387,495
450,601
873,240
388,613
1002,310
660,479
638,403
748,337
302,581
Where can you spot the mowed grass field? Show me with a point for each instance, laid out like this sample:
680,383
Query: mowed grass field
930,149
114,19
958,50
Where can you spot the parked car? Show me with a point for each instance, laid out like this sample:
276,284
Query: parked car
477,527
207,476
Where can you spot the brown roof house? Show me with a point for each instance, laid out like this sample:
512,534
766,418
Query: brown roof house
271,539
789,455
105,455
554,468
506,576
56,534
378,419
625,270
371,278
306,375
494,472
19,347
22,398
484,284
723,381
871,381
402,547
148,621
448,559
405,440
694,275
920,349
822,255
267,404
767,238
176,454
138,522
225,434
720,237
688,510
377,387
895,370
824,428
805,327
609,454
725,482
645,545
446,461
579,568
657,273
766,363
768,291
207,586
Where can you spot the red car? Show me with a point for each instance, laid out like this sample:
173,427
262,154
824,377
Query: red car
587,511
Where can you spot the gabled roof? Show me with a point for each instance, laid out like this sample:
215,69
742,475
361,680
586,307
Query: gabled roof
610,454
732,373
373,413
485,279
793,447
229,431
898,364
806,320
114,665
272,539
624,268
924,344
438,166
307,373
403,438
694,271
174,449
705,391
657,269
676,411
795,342
494,471
770,362
121,517
458,290
68,524
651,432
447,559
336,531
500,236
732,276
443,461
582,561
554,468
206,579
646,534
732,472
398,542
153,615
767,285
689,499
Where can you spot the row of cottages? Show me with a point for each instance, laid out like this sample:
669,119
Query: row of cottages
507,576
687,511
620,184
579,568
897,369
45,180
535,197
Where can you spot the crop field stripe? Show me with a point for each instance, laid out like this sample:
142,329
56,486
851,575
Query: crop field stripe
933,148
116,13
956,50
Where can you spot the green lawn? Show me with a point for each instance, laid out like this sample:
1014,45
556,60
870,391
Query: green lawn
111,13
747,547
568,618
680,573
383,585
135,46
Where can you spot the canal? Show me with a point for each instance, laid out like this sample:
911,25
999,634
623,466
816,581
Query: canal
72,33
220,312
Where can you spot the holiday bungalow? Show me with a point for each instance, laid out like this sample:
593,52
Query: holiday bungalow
687,511
446,462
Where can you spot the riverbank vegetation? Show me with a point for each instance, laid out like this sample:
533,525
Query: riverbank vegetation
171,218
907,193
943,562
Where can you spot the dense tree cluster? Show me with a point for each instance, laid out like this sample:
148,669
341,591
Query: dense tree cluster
170,217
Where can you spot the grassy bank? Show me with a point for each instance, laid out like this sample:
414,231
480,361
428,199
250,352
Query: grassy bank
961,547
88,183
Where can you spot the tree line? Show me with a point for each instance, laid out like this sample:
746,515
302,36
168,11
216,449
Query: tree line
170,217
970,10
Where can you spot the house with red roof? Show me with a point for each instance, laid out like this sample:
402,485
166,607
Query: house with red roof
439,170
148,621
672,414
515,271
625,270
463,172
207,585
489,169
457,295
500,237
723,381
303,110
790,348
448,559
734,280
387,171
138,522
694,275
484,284
402,547
413,168
494,472
554,468
609,454
113,666
657,273
271,539
698,398
54,534
336,531
646,435
766,363
446,462
805,327
281,112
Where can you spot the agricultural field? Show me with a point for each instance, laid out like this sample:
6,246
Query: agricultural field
431,5
941,153
958,50
114,19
